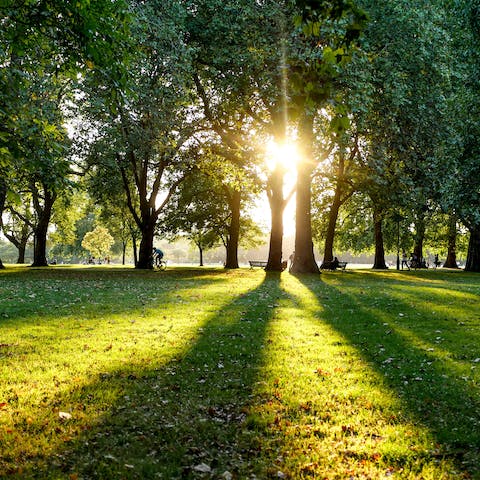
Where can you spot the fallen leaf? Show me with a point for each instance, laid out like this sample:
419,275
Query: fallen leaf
203,468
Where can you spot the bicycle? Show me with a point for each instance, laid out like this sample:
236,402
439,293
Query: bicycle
158,263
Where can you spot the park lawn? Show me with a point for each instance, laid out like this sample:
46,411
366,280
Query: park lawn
204,373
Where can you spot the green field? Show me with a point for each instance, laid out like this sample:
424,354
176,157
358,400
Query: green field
121,374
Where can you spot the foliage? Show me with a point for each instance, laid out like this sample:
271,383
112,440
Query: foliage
98,242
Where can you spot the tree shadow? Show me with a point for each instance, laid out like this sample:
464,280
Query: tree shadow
172,419
426,381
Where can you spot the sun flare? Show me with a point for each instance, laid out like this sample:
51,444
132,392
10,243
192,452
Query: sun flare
283,154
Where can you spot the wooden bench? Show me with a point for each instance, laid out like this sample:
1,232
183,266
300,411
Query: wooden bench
257,263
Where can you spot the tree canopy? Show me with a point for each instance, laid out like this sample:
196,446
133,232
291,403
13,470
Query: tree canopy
160,113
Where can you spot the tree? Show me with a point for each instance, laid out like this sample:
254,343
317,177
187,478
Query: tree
17,231
461,191
200,211
43,48
338,25
144,118
98,242
400,127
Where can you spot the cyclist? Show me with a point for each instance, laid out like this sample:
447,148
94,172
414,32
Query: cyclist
157,256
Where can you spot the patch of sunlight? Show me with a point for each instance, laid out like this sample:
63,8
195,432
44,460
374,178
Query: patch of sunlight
85,341
445,303
417,277
320,407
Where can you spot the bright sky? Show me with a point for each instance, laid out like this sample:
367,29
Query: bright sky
287,155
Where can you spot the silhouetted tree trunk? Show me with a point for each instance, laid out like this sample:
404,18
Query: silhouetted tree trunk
145,250
339,198
451,260
304,258
277,207
200,251
3,197
43,204
234,201
473,256
332,225
275,196
379,262
419,236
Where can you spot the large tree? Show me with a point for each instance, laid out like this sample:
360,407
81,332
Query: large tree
329,32
400,126
461,191
144,116
43,47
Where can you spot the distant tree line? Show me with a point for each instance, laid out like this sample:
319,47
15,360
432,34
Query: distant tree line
151,118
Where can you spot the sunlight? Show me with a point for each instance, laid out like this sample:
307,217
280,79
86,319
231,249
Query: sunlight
283,154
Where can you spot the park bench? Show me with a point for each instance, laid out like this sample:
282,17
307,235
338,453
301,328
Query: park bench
257,263
331,266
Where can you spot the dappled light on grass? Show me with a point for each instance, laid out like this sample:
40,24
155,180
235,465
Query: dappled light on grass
228,374
391,336
322,407
81,346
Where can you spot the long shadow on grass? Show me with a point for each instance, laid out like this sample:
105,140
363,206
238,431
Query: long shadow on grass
429,387
179,419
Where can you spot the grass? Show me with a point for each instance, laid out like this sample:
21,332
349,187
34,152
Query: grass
111,373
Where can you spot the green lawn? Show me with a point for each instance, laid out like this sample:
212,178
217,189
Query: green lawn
121,374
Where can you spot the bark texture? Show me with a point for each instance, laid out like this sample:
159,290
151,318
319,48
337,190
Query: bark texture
277,207
44,214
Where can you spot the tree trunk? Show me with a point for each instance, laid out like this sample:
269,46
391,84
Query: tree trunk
451,260
40,243
332,223
3,197
21,252
473,255
134,245
304,258
334,209
233,230
200,251
419,236
22,244
146,243
44,213
379,262
277,207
